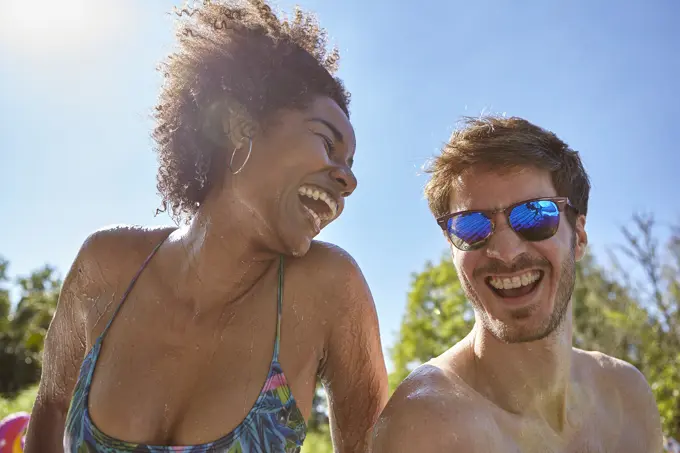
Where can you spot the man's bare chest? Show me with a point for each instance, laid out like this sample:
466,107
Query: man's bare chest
592,435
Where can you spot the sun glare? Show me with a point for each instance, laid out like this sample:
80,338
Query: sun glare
57,28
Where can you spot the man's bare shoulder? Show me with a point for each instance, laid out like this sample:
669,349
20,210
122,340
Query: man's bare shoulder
620,378
626,389
626,377
432,411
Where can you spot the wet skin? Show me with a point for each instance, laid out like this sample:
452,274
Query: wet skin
187,355
515,384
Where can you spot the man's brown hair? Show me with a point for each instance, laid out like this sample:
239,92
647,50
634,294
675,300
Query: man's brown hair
504,144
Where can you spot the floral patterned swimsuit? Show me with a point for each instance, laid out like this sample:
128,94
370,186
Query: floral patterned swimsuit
273,425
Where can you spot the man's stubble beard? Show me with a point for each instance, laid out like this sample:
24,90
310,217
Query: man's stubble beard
505,333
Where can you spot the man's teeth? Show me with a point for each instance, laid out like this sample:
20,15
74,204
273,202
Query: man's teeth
515,282
318,194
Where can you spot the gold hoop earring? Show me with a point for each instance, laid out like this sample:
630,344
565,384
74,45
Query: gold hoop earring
231,161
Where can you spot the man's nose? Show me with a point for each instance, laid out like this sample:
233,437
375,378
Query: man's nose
505,244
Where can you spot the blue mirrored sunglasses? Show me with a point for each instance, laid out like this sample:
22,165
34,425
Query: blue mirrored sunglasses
533,220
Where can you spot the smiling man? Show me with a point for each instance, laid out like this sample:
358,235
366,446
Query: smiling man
511,199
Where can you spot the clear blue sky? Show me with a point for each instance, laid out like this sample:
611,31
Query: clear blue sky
76,93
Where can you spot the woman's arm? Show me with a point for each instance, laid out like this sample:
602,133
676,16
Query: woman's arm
64,349
353,371
108,256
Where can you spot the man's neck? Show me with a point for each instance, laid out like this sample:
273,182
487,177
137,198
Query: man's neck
526,378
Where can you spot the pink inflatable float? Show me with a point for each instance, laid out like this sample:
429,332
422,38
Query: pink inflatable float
12,432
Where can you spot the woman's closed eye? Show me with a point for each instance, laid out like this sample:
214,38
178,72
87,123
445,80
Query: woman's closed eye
328,144
331,147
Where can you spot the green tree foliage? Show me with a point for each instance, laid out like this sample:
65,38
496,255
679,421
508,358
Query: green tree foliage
20,402
318,441
5,304
659,295
637,321
22,330
318,420
437,316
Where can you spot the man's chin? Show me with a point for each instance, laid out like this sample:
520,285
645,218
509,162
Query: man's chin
512,332
528,337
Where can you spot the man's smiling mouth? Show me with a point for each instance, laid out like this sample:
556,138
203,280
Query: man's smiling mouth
515,286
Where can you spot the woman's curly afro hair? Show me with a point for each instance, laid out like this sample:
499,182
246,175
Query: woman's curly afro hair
233,51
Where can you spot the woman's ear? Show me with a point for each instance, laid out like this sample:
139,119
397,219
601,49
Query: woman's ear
227,124
237,124
581,238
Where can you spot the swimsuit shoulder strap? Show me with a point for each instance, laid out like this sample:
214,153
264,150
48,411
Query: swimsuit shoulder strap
279,310
132,284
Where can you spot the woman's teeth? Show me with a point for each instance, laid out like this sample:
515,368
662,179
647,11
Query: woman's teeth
319,194
315,216
515,282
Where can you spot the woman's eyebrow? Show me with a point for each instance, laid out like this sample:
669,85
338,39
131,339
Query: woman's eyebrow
337,135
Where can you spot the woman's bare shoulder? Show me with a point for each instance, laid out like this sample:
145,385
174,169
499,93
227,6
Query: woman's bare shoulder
114,236
330,274
330,270
110,251
326,260
106,262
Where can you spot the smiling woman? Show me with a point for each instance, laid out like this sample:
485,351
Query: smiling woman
57,29
226,323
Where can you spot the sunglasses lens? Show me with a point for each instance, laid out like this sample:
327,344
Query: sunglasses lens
535,220
470,230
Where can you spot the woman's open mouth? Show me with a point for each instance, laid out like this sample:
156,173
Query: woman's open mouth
319,205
